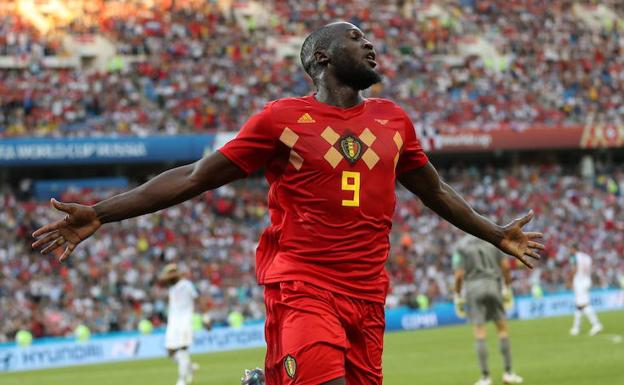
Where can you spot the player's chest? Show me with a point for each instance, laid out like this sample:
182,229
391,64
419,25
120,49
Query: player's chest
322,143
176,293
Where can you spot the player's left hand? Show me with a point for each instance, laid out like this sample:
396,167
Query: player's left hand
521,244
460,305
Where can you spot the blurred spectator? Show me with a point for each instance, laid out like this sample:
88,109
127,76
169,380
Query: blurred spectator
201,70
109,283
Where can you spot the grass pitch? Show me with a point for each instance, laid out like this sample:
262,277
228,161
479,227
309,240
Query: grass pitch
543,353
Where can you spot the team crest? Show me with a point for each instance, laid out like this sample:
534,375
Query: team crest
290,365
351,147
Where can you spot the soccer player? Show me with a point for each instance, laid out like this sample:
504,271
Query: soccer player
179,334
485,269
582,283
332,160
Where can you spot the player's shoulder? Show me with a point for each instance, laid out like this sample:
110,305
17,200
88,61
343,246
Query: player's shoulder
280,105
295,109
463,243
384,105
468,239
183,282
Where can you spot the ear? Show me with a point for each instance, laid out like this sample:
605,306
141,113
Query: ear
321,58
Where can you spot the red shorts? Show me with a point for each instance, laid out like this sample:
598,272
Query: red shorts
314,336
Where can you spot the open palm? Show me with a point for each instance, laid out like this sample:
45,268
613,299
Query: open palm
521,244
79,224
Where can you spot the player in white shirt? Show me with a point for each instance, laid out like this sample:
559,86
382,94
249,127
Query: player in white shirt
582,284
179,334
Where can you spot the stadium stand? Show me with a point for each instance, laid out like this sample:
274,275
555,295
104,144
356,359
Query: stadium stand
109,283
205,67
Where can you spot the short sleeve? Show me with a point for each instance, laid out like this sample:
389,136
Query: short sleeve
254,145
413,155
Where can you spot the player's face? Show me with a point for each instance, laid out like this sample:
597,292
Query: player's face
353,59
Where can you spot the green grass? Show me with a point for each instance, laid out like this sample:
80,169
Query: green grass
543,353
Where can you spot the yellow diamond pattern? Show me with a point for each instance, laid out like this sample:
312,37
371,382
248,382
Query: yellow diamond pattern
330,135
399,143
289,137
367,137
295,159
333,157
398,140
371,158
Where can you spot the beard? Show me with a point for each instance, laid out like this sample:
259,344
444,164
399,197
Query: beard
355,74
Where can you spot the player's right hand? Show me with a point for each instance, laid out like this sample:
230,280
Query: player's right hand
79,224
460,305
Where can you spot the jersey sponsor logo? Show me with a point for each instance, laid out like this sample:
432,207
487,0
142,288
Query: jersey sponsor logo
351,148
383,122
290,365
306,118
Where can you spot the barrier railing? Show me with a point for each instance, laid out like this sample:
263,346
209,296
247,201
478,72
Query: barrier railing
129,346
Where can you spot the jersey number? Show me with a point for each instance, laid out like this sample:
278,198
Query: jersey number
351,182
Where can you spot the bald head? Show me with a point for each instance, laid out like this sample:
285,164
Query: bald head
321,39
339,54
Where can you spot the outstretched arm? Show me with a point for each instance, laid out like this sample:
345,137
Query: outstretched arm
446,202
167,189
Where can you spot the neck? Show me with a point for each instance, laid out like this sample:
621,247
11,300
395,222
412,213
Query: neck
336,94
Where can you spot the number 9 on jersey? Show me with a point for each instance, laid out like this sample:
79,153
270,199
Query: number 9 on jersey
351,182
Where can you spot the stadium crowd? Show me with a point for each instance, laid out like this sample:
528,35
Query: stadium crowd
199,69
109,283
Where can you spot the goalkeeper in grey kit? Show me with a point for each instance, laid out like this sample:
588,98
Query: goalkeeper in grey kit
486,273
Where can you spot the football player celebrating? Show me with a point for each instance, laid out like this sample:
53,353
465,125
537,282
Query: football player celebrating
332,160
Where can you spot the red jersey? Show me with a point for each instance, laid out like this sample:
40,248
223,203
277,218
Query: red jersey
332,174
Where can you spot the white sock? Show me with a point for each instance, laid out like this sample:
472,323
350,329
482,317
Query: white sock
577,319
591,315
183,359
